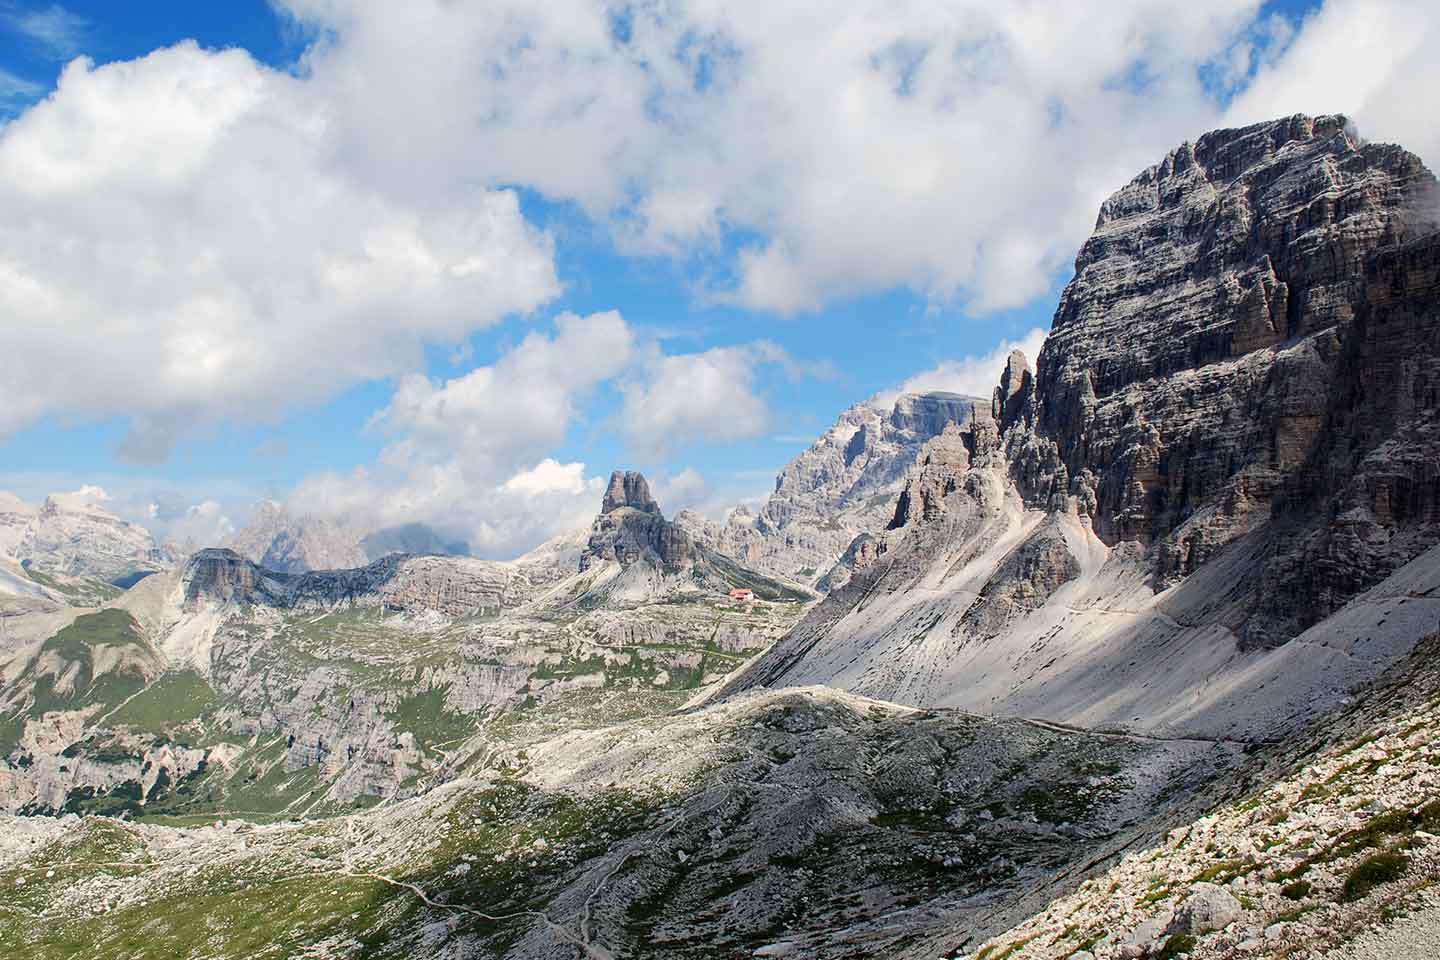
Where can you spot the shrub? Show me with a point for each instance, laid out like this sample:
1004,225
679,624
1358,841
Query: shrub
1298,890
1179,943
1373,871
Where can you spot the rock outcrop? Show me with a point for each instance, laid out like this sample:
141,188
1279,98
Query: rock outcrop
628,489
638,555
450,586
1231,434
630,529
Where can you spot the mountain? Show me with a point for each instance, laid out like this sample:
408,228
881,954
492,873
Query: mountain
338,688
278,540
1138,660
844,484
410,538
633,552
1212,508
72,536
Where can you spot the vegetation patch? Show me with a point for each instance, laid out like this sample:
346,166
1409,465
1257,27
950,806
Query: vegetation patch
432,723
171,701
1177,945
1296,890
1375,870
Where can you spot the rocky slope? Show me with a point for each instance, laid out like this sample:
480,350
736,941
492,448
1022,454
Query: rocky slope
1340,840
843,485
804,823
1211,509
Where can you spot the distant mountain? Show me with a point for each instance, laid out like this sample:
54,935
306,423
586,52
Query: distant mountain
70,535
279,540
411,538
843,485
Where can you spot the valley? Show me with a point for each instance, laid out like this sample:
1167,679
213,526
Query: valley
1132,658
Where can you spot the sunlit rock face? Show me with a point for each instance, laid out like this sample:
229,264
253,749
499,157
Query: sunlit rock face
1231,434
842,485
630,528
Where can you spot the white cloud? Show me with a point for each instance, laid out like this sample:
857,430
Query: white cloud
56,31
973,376
185,240
959,149
203,524
516,408
710,395
548,476
475,453
218,225
1374,62
469,454
16,92
89,497
684,490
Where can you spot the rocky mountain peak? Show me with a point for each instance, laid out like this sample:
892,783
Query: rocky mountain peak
1203,360
1231,433
72,534
630,528
629,489
842,485
1012,397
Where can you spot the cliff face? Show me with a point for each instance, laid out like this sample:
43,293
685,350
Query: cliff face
843,485
1231,434
450,586
1249,322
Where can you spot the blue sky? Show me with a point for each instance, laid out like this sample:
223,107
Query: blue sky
873,247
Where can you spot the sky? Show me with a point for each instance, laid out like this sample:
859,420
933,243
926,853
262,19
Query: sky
454,261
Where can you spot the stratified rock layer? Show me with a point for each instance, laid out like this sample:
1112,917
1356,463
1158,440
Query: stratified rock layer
1232,432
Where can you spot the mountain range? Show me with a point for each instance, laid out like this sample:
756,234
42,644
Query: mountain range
1133,658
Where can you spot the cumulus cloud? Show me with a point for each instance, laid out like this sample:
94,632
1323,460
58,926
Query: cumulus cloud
474,453
469,453
549,476
973,376
681,491
709,395
89,497
521,404
203,524
184,241
1374,62
958,149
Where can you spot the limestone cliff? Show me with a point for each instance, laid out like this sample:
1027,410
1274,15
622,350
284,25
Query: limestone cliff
843,485
1230,436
